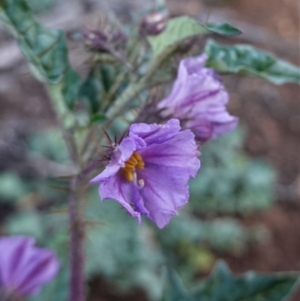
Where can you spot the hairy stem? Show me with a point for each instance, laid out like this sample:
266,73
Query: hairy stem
77,290
67,122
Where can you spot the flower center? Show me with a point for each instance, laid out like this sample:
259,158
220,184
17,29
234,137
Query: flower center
135,161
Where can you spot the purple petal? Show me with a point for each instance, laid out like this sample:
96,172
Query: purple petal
210,126
180,151
41,269
225,127
18,251
198,99
160,186
155,133
23,267
164,192
196,94
122,154
125,192
194,64
202,128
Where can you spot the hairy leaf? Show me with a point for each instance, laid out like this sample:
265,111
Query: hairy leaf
178,29
91,91
248,60
224,286
98,118
224,29
45,49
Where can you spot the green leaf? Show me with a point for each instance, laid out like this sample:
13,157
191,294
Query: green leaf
224,29
70,88
98,118
178,29
41,5
175,290
248,60
91,91
49,144
224,286
45,49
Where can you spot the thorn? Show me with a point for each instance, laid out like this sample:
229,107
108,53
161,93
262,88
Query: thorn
107,157
107,136
122,137
91,223
61,188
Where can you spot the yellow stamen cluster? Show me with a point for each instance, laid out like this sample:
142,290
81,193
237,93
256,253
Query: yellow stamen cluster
135,161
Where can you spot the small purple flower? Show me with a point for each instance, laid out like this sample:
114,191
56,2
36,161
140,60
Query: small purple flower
149,171
24,268
198,99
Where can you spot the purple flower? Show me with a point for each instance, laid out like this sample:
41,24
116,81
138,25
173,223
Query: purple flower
198,99
24,268
149,171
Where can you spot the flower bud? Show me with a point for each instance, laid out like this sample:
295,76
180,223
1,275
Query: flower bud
154,23
102,41
95,40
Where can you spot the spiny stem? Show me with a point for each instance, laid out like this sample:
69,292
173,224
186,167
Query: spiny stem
77,289
67,123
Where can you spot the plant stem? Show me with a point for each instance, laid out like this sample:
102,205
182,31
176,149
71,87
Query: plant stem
65,119
135,88
76,243
67,123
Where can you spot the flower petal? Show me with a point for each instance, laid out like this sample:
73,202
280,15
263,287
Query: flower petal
23,267
18,250
194,64
125,192
180,151
225,127
206,128
155,133
43,266
122,154
197,98
159,185
165,191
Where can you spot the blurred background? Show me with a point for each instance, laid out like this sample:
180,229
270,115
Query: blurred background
245,202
